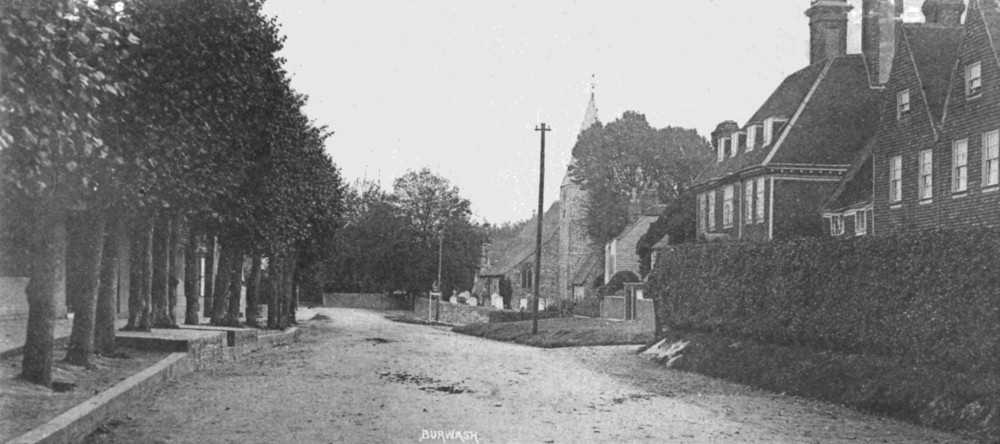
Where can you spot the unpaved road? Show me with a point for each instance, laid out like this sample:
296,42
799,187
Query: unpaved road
359,378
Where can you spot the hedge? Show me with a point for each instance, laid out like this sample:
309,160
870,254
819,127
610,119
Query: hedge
928,298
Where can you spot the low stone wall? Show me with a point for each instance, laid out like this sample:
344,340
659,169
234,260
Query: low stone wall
369,301
613,307
454,314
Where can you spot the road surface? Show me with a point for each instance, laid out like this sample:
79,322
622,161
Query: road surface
359,378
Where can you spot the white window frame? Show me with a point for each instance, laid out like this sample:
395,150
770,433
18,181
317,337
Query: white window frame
736,142
711,211
720,150
974,79
751,137
925,176
727,206
748,202
895,179
991,158
769,133
861,223
960,166
903,104
836,225
759,211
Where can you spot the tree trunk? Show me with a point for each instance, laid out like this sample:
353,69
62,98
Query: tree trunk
226,253
141,270
176,275
288,277
253,287
192,272
107,295
210,258
235,290
91,244
161,273
274,267
48,256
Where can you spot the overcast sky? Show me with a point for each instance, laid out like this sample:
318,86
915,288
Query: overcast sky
458,85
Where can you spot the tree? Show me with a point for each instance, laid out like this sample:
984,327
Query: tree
51,155
618,162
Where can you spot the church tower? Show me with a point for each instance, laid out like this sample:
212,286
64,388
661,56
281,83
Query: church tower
576,253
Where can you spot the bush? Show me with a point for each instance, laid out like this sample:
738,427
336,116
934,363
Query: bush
617,283
928,298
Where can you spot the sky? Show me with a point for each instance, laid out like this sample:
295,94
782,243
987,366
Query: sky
458,86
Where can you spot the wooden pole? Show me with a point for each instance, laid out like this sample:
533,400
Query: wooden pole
538,235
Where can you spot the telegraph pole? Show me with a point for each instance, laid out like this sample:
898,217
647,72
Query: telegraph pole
538,234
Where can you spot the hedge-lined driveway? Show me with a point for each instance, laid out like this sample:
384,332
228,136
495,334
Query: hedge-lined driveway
360,378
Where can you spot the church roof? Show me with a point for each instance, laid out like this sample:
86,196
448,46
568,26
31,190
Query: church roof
516,250
589,119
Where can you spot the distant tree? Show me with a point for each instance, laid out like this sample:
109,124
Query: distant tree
618,161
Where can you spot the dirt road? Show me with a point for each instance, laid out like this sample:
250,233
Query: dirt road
359,378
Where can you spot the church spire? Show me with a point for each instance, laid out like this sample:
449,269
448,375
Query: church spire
590,116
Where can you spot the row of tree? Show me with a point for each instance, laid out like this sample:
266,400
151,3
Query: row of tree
396,241
166,125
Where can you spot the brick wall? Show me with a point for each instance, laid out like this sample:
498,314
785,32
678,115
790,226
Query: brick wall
796,207
454,314
370,301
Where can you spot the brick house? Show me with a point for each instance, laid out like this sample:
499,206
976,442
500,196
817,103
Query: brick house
947,175
935,161
773,174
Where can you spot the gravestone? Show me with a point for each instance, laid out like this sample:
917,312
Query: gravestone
496,301
472,301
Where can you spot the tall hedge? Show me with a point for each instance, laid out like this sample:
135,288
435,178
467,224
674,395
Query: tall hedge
929,298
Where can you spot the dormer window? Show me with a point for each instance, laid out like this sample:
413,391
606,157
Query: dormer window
739,141
727,147
720,149
772,127
973,79
902,104
751,137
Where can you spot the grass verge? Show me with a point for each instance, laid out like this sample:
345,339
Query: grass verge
946,400
564,332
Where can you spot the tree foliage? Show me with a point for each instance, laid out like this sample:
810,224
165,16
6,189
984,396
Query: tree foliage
617,162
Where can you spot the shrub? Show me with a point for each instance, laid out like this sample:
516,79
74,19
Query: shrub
929,298
617,283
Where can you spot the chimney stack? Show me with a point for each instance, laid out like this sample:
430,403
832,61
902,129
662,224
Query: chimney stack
878,37
827,29
944,12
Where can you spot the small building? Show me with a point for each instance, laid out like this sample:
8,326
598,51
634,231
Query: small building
620,253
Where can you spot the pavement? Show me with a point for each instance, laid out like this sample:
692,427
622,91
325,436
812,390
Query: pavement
358,377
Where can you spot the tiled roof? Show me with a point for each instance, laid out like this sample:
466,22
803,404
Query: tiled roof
837,119
934,49
991,12
516,250
855,188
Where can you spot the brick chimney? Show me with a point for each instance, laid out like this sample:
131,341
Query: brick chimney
878,37
944,12
827,29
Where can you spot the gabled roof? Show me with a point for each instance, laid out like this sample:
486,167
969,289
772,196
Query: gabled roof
832,111
516,250
934,49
